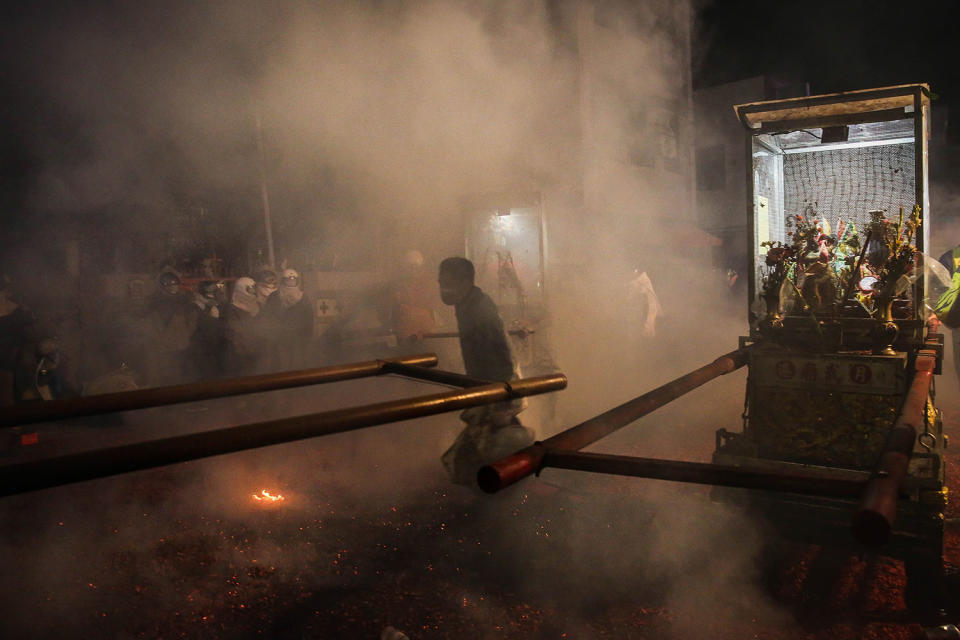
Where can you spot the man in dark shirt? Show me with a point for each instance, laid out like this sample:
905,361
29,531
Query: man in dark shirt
288,316
491,431
171,321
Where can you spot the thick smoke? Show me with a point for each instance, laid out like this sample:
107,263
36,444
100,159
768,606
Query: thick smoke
376,119
384,115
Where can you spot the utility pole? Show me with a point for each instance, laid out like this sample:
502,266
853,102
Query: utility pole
264,194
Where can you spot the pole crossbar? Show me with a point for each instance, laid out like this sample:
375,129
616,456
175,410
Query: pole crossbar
434,375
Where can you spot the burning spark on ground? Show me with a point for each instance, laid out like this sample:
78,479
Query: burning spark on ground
267,497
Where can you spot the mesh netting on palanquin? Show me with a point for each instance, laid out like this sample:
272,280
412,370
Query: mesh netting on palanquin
848,183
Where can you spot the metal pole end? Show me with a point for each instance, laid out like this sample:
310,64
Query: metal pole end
501,474
488,479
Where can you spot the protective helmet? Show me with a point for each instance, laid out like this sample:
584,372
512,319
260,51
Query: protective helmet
169,283
213,289
290,292
290,278
245,285
245,295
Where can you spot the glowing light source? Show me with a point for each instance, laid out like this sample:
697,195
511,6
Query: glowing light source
266,497
502,221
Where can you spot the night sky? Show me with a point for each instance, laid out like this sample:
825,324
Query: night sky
833,46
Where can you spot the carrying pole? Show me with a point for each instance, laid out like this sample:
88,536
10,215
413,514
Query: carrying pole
711,474
31,475
873,522
160,396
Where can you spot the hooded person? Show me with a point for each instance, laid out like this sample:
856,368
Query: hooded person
47,376
290,292
266,282
209,297
171,322
208,342
243,345
290,320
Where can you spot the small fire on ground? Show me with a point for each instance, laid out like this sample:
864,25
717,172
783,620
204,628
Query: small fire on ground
265,497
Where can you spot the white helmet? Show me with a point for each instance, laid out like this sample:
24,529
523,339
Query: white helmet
245,295
290,278
290,291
